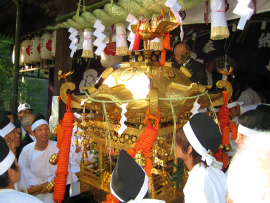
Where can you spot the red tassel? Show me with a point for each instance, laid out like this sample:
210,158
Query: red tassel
233,130
136,43
163,57
137,39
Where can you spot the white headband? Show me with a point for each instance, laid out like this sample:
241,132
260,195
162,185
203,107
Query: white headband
245,131
196,144
7,129
140,195
38,123
234,104
7,162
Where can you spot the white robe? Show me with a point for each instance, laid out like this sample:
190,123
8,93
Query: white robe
205,185
249,97
11,196
36,169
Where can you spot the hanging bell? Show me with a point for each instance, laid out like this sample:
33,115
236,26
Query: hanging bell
227,148
54,159
54,131
140,159
50,186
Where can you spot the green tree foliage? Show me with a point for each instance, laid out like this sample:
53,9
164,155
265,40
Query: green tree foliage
6,79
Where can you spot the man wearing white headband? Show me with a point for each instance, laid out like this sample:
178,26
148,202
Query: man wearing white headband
252,122
194,141
9,133
34,160
129,182
10,174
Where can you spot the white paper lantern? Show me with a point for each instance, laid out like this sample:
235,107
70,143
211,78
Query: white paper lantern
46,46
35,49
20,56
26,51
54,42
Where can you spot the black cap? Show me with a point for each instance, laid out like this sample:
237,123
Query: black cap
264,107
128,179
205,130
252,121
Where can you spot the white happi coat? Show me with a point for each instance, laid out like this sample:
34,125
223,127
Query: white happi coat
36,169
11,196
205,185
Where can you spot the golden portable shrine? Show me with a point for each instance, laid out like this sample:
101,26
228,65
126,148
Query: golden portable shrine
158,96
138,106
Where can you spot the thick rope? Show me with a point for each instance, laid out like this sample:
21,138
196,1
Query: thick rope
160,98
63,159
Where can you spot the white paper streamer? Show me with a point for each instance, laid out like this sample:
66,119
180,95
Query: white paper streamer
195,108
74,40
244,11
133,20
175,8
100,37
123,119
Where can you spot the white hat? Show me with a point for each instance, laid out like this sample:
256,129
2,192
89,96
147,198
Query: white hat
234,104
24,106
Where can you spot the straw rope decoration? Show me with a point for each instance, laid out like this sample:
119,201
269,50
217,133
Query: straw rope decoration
63,159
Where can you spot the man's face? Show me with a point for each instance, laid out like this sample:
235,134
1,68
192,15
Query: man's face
10,143
15,137
210,66
23,113
234,112
179,53
239,139
11,118
42,133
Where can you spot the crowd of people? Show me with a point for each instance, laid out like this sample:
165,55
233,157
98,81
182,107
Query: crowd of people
26,147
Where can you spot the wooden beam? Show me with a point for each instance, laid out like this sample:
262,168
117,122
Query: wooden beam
62,62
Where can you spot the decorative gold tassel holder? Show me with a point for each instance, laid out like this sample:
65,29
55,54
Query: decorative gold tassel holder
88,44
121,39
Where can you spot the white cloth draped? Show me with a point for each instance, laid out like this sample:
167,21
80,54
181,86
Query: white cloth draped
11,196
205,185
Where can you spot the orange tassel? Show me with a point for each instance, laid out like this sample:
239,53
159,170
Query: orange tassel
110,199
63,158
233,130
60,134
163,57
148,167
226,136
167,41
146,140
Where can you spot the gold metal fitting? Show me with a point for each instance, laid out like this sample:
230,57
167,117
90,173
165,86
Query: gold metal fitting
50,186
54,159
140,159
